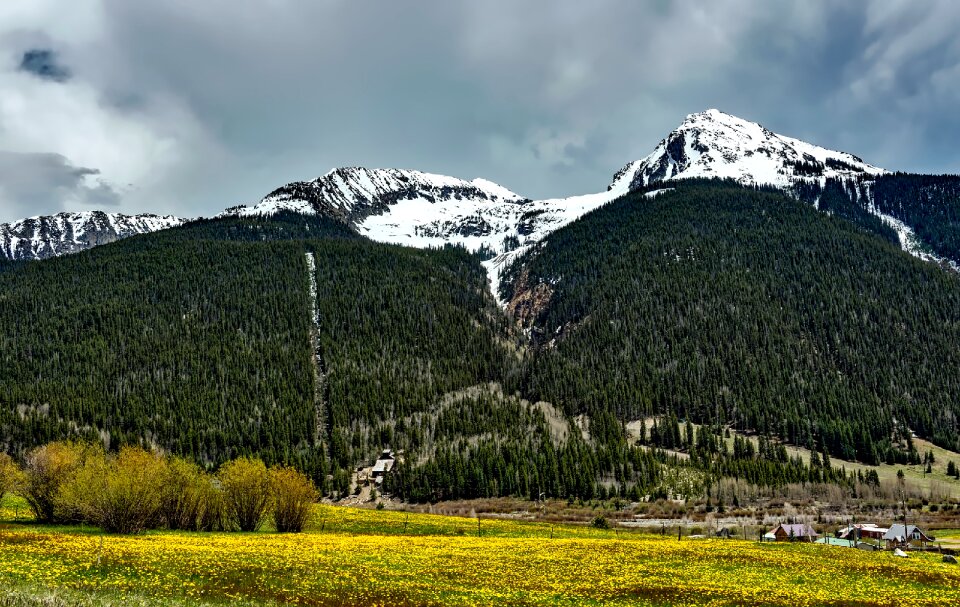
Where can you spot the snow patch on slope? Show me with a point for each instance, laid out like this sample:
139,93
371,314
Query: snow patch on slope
312,278
423,210
910,242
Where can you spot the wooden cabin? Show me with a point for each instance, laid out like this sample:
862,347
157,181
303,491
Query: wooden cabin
903,536
799,532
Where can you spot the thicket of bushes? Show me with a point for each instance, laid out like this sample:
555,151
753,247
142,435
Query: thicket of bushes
135,489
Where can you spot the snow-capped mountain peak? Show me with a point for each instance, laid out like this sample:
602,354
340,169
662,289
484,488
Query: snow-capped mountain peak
424,209
716,144
355,193
52,235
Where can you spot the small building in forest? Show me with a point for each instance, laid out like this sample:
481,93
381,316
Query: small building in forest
383,465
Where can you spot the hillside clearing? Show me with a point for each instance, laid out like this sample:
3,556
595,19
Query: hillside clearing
935,484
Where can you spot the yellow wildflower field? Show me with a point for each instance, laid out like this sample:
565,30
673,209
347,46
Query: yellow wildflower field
332,567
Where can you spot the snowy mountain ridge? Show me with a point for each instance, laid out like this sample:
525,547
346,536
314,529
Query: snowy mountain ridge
713,144
53,235
419,209
427,210
354,193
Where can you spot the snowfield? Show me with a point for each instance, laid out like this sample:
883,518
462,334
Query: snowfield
423,210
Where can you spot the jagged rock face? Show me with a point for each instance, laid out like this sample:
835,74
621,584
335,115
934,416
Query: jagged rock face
529,300
715,144
64,233
467,227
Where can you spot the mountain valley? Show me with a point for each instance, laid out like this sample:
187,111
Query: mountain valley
734,278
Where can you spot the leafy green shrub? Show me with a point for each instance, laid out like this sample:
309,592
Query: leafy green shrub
11,477
600,522
190,501
246,491
121,493
213,514
293,497
47,468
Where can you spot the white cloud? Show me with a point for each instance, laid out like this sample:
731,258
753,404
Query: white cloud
141,151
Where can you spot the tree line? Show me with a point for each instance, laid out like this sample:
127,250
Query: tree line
134,489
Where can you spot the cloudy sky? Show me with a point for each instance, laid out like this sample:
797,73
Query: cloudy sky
187,107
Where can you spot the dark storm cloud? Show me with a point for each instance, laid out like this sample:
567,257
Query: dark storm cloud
43,64
33,184
548,98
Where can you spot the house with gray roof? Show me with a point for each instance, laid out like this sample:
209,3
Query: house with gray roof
902,536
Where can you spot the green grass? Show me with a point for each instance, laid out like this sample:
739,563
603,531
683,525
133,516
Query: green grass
14,508
25,595
360,521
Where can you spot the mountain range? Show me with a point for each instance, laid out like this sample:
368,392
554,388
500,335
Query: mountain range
733,277
52,235
420,209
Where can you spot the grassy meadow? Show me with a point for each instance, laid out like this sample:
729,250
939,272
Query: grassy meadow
367,557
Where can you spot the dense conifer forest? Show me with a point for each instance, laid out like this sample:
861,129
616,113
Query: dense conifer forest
929,203
294,339
745,307
184,339
846,200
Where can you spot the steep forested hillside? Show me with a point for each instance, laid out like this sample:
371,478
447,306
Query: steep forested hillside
928,203
415,352
724,303
199,339
206,340
296,339
195,340
847,200
399,328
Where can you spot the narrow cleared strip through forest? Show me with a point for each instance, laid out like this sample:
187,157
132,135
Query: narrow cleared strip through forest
321,432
